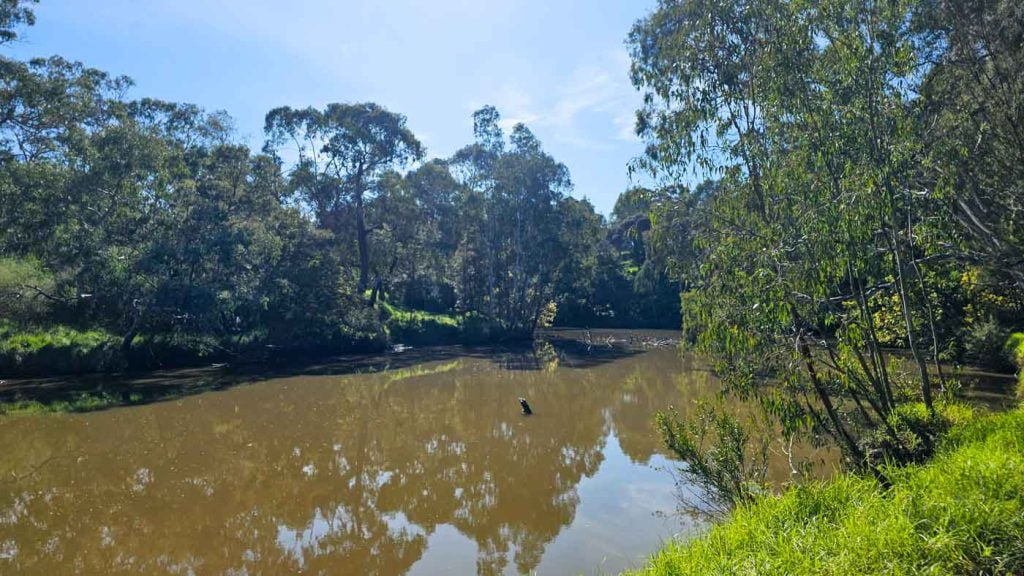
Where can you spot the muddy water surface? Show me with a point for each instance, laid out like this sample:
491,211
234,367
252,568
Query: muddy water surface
418,462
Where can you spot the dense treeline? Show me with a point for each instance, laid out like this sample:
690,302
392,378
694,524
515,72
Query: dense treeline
144,232
864,185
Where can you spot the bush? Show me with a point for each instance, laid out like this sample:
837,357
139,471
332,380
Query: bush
961,514
720,458
24,287
984,345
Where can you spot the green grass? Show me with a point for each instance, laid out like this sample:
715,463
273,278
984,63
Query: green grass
962,513
58,349
419,327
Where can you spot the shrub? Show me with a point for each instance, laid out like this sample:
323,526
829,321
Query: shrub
719,457
26,290
984,345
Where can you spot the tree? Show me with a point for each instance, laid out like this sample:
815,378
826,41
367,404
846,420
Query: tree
973,127
343,151
416,235
511,252
802,114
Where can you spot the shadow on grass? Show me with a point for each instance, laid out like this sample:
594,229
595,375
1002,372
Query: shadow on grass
568,349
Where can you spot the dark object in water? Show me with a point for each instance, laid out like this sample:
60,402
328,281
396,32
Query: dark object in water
526,407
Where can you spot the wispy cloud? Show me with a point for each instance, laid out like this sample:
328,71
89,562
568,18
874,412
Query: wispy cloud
593,109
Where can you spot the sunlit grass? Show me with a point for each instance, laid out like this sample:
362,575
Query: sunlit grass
962,513
417,326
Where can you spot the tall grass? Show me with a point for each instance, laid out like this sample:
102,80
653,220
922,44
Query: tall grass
962,513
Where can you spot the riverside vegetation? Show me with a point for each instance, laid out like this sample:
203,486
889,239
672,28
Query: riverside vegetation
859,229
142,233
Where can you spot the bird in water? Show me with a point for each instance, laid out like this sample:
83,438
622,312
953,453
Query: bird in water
526,407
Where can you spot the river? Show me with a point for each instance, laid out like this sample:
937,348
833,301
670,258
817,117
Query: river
416,462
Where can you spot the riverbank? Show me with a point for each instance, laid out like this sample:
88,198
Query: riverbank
961,513
66,350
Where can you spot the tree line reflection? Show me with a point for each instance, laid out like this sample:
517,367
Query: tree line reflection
329,474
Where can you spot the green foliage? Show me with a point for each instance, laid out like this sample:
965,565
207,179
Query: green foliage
630,278
963,513
1014,350
419,327
974,121
13,14
149,221
830,232
984,344
57,350
27,291
911,432
718,457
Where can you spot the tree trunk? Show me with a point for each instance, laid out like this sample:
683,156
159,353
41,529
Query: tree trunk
376,292
362,237
926,385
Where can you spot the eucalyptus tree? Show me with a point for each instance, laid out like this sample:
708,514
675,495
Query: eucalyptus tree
417,234
514,249
803,114
343,151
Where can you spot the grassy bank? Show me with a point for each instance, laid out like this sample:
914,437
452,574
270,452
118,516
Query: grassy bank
418,327
62,350
962,513
58,350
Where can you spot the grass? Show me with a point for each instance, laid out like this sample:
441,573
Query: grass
962,513
419,327
58,349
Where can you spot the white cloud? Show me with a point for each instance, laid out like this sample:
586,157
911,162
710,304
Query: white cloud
592,109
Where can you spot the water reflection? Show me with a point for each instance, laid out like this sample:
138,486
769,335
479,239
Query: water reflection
390,472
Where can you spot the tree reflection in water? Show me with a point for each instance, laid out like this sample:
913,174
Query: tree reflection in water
332,474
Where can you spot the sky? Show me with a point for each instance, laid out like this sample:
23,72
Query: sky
559,66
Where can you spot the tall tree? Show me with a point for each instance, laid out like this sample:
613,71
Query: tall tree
973,127
512,254
343,150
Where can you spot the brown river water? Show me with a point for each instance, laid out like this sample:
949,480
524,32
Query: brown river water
417,462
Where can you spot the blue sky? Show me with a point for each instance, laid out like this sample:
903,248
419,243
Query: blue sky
560,66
